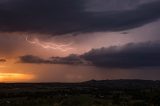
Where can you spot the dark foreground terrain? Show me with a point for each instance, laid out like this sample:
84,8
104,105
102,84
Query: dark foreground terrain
90,93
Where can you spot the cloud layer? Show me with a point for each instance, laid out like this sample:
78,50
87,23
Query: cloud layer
71,59
70,16
2,60
132,55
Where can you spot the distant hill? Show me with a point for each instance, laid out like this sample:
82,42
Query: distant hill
124,83
129,84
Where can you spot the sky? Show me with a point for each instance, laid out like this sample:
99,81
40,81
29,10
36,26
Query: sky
79,40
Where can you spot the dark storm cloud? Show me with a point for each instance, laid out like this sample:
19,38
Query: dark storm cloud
71,59
2,60
131,55
33,59
70,16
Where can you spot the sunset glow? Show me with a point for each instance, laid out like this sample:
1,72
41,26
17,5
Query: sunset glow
79,40
15,77
2,66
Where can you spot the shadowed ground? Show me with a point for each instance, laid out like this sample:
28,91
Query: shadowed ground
90,93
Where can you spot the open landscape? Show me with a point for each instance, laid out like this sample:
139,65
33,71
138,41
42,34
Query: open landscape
79,52
90,93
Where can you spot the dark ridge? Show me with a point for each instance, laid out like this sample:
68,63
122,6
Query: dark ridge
92,83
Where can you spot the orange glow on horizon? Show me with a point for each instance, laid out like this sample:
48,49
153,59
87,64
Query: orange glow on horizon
2,66
15,77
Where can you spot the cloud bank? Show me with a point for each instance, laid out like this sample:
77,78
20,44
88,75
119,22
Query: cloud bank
131,55
70,16
3,60
71,59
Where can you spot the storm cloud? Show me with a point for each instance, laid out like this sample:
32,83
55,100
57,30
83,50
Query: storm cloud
33,59
132,55
71,59
71,16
